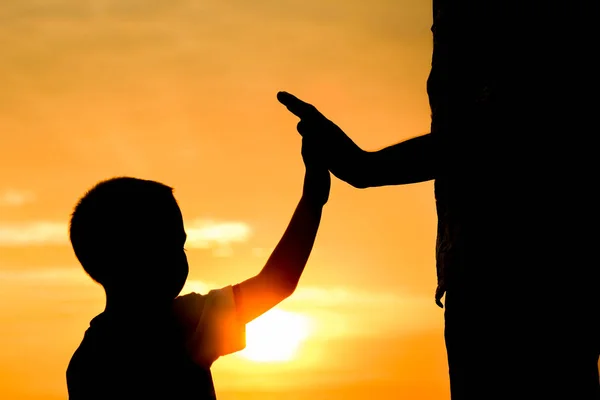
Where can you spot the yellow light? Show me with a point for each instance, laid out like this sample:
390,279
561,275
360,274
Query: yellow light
275,336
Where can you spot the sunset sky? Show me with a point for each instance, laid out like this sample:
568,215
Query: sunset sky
183,92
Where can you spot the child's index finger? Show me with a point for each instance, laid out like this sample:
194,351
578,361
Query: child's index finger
296,106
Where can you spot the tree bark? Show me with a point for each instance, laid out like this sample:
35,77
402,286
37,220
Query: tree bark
513,93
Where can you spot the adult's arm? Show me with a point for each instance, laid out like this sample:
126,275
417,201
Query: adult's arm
411,161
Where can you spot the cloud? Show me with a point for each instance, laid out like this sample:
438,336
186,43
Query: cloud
204,234
15,198
339,296
329,297
305,296
59,275
33,233
349,311
333,312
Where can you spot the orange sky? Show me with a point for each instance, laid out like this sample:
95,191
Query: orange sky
183,92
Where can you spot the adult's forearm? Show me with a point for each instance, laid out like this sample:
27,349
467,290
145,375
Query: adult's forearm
412,161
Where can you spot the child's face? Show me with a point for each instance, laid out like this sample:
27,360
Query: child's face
166,265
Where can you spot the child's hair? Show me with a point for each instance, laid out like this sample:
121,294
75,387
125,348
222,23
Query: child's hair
114,217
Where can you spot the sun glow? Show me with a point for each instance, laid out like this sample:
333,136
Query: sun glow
275,336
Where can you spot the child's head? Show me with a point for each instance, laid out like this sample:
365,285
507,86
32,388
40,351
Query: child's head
128,235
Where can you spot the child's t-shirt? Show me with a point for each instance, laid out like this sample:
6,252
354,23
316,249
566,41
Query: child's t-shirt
166,354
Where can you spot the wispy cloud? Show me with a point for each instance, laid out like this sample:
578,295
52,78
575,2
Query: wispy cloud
334,312
33,233
202,234
62,275
205,234
331,297
15,198
316,296
324,296
340,296
350,311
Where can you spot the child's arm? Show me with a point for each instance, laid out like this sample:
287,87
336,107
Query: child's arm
280,275
411,161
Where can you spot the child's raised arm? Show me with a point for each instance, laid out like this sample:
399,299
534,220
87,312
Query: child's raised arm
280,275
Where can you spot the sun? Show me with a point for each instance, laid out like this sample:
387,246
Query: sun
275,336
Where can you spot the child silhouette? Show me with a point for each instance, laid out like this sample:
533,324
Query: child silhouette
148,343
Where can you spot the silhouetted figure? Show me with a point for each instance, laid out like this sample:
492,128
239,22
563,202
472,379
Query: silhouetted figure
513,95
516,266
148,343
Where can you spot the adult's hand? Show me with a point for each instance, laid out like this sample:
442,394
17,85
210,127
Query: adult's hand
342,156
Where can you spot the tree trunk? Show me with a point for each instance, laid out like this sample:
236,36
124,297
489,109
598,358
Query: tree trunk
513,92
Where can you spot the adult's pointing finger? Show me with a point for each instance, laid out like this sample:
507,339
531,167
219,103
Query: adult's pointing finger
298,107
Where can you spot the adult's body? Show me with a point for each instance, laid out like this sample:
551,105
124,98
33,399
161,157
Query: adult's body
512,153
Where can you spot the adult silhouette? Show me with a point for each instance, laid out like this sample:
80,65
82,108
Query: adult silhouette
513,156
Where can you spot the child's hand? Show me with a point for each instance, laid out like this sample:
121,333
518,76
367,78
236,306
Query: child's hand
317,181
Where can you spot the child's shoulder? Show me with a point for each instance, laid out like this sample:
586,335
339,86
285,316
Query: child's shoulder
192,299
187,308
191,307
